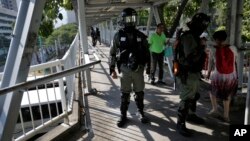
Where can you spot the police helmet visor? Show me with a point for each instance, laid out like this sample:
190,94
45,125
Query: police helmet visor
205,24
130,19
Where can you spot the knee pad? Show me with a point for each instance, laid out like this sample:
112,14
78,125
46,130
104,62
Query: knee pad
125,97
184,106
139,95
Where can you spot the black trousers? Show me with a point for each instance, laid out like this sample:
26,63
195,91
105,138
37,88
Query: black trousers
156,58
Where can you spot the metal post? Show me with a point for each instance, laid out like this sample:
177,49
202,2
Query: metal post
63,96
18,62
247,109
56,49
238,42
111,31
149,20
83,37
82,26
232,22
156,15
105,29
87,73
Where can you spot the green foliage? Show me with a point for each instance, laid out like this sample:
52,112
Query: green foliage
171,8
246,21
220,14
143,13
218,10
46,28
50,13
221,17
65,34
143,16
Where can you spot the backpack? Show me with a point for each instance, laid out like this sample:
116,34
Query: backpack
224,60
181,64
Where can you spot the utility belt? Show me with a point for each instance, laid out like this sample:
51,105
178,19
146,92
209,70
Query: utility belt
133,67
183,73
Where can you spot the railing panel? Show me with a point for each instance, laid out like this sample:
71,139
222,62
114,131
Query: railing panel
48,94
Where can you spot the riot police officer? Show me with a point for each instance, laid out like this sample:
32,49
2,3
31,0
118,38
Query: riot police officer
191,61
129,53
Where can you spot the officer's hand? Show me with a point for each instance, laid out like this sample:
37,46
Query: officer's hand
114,75
207,77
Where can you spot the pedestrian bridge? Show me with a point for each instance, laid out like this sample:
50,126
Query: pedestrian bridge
74,98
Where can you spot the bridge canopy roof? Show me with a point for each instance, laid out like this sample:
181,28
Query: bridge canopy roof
102,10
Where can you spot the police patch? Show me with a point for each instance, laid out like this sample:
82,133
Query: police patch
123,39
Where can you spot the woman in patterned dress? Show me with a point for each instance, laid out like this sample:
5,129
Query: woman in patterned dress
224,74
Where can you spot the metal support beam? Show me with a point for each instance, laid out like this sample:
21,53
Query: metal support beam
150,17
82,26
238,42
247,110
94,17
118,5
18,63
232,22
159,2
102,12
156,14
111,29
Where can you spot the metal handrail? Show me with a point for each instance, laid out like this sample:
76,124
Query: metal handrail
32,83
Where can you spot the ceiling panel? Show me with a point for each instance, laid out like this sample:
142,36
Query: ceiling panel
98,9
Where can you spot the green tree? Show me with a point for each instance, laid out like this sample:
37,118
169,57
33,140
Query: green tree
246,22
143,16
50,13
65,34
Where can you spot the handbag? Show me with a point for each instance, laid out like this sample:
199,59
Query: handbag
168,51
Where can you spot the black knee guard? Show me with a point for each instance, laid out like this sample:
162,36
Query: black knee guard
193,102
139,97
183,111
125,99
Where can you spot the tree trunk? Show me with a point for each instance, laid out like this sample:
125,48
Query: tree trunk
161,13
204,6
74,4
177,18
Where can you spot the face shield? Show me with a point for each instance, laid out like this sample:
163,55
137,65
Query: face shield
205,24
130,20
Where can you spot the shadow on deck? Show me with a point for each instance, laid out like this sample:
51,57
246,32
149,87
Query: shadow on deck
161,103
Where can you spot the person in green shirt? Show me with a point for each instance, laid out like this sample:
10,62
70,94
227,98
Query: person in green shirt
157,42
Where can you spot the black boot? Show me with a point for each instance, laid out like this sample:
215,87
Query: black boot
181,128
139,96
122,121
125,98
192,117
182,114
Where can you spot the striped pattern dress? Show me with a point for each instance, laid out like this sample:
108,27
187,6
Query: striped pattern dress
223,84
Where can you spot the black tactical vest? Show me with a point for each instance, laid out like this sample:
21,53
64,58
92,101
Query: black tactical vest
131,48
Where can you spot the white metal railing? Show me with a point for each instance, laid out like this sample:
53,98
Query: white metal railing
52,99
47,94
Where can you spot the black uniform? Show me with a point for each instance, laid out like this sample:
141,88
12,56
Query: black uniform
130,53
191,59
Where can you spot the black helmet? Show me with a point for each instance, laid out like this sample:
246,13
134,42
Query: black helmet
199,21
129,17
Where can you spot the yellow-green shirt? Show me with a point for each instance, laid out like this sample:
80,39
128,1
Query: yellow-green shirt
157,42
